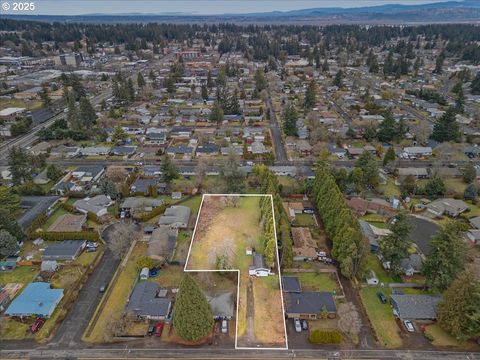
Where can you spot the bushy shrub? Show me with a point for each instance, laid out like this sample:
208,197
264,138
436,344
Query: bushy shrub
325,337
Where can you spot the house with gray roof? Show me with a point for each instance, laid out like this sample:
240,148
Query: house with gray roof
291,284
222,305
148,301
162,244
141,186
123,150
450,207
64,250
176,217
97,205
309,305
415,307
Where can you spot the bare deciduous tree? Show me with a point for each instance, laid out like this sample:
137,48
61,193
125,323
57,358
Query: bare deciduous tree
121,238
349,319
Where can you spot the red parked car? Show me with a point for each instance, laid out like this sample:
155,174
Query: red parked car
37,325
159,329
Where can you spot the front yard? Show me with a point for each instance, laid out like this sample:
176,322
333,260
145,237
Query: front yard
381,316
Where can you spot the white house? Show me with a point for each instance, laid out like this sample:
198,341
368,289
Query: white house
258,268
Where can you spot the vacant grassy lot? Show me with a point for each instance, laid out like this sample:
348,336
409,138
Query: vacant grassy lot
117,298
21,274
381,317
315,281
373,263
268,320
390,189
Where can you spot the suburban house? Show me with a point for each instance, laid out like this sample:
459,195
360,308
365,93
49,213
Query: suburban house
258,267
450,207
372,233
415,307
143,186
123,150
64,250
148,301
132,205
37,299
474,236
162,243
293,208
176,217
309,305
88,174
411,265
97,205
304,246
222,305
417,152
418,173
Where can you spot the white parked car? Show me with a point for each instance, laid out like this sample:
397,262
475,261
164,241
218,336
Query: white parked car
409,326
298,326
224,326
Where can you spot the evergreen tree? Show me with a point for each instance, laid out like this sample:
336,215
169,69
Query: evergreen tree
460,101
469,173
19,165
232,175
435,187
290,120
86,116
387,128
446,127
192,315
394,247
140,80
260,81
8,244
46,101
9,224
204,92
447,256
439,63
459,312
119,135
169,171
325,66
368,163
389,156
338,80
210,83
310,96
54,173
216,115
130,90
475,85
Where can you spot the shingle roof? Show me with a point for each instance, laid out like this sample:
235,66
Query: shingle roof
416,306
309,302
143,301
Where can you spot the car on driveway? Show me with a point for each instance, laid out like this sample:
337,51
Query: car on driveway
304,325
151,330
159,329
37,325
409,326
298,326
381,296
224,326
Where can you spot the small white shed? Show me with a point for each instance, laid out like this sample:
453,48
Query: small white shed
144,273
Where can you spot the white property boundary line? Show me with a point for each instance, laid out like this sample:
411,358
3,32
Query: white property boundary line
238,271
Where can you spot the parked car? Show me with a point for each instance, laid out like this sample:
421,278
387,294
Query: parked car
409,326
304,325
159,329
151,330
224,326
298,326
381,296
37,325
102,288
90,249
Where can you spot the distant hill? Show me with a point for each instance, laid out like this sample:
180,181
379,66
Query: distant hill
450,11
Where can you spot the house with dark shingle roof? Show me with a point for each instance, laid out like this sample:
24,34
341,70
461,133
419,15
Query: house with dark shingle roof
148,301
64,250
415,307
309,305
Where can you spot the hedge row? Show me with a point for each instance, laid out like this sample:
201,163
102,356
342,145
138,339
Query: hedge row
73,235
38,222
68,207
325,337
155,212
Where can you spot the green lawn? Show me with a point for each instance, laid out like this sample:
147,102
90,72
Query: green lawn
193,203
441,338
390,189
28,104
59,211
315,281
169,276
12,329
373,263
381,317
304,220
21,275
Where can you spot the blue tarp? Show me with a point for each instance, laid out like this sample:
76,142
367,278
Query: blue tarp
38,299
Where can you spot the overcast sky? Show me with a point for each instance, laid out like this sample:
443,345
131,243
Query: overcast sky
78,7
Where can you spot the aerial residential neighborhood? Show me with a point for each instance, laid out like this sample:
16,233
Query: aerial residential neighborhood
292,182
